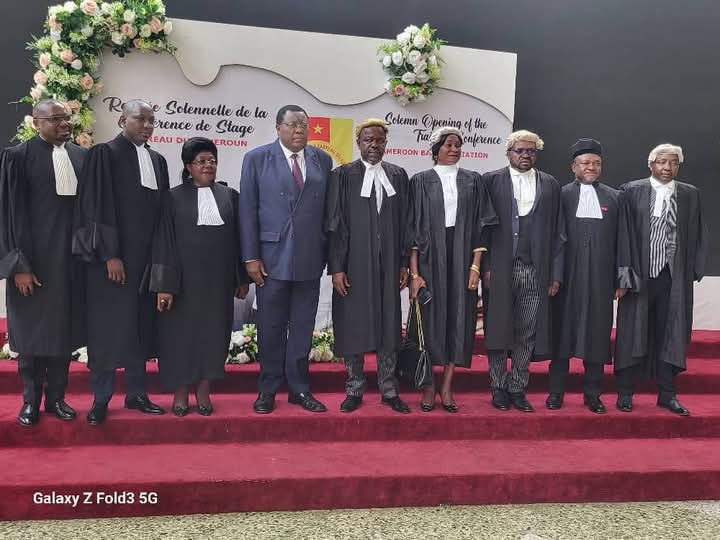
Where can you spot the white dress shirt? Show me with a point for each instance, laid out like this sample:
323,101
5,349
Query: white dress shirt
523,189
65,178
375,176
208,213
300,159
448,179
588,205
663,192
147,171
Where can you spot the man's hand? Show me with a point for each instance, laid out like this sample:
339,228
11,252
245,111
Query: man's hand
554,288
164,301
116,271
403,278
25,283
415,286
242,291
340,283
486,280
619,293
256,271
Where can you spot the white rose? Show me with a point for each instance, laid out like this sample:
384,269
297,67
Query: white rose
168,28
387,87
412,29
117,38
55,36
408,77
28,122
387,60
76,64
161,9
69,7
54,10
419,41
243,358
420,98
420,68
432,60
422,77
145,31
55,49
87,31
397,58
414,57
403,38
106,8
129,16
403,100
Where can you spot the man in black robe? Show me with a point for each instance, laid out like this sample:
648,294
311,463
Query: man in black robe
583,308
522,269
38,184
668,246
365,214
118,210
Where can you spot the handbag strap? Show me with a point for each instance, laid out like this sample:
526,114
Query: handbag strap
418,317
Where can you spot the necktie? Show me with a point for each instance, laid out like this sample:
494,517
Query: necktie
296,172
65,179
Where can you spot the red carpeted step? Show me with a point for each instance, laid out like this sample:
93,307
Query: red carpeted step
702,376
210,478
235,421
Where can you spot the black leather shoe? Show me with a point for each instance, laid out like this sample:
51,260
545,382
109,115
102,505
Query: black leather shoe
205,410
674,406
624,403
594,404
29,415
265,403
500,399
307,401
143,404
61,409
396,404
350,403
180,410
97,414
554,401
520,402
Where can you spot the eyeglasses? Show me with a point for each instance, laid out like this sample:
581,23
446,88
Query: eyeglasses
295,125
203,162
54,119
526,151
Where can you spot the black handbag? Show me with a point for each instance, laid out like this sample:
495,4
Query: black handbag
413,363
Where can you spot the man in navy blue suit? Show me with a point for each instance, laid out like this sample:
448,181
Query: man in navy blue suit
282,197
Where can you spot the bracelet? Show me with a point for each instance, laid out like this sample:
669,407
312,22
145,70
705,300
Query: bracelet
414,276
475,268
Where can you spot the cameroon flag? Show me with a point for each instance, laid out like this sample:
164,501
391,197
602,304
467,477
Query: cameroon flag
334,135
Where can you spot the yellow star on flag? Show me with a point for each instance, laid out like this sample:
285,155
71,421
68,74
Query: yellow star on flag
318,128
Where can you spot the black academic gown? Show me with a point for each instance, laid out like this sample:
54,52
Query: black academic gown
689,265
547,238
369,248
584,305
35,236
450,318
116,217
199,265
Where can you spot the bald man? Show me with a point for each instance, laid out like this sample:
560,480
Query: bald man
119,203
38,185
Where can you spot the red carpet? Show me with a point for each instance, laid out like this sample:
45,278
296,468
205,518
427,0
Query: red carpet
236,460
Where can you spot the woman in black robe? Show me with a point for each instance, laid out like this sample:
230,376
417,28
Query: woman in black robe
448,216
195,274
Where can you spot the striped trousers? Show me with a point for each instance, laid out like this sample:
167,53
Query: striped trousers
525,304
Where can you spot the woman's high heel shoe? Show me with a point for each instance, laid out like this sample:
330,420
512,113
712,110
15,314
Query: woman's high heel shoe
180,410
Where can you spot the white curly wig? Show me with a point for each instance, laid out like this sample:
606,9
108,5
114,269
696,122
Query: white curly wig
665,148
524,136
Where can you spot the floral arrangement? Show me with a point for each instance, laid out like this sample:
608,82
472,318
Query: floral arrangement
6,353
411,64
322,346
80,355
67,56
243,345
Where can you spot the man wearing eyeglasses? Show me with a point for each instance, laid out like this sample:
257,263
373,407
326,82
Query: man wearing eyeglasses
522,269
38,185
282,197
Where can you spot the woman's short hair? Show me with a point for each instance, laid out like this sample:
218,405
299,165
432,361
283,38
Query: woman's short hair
665,148
191,149
524,135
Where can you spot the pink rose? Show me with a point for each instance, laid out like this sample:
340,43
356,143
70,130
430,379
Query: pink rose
40,77
89,7
54,25
67,56
99,87
155,25
136,43
74,105
399,90
37,92
128,30
44,60
247,339
87,82
84,140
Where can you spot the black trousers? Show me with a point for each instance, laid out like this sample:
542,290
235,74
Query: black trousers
592,383
50,372
658,305
102,382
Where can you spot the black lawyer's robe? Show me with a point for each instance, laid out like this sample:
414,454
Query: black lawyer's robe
450,318
547,238
584,306
689,265
116,217
199,265
369,248
35,236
